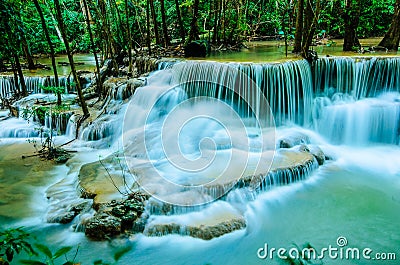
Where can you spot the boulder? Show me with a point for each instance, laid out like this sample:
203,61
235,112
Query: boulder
292,139
204,231
102,226
198,48
317,153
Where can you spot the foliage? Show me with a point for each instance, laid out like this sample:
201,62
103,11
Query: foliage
14,241
49,257
218,21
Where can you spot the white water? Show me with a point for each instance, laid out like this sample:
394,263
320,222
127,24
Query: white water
34,84
356,195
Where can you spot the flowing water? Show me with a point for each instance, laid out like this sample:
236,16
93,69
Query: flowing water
348,107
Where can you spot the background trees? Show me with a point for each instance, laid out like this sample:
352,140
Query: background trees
121,28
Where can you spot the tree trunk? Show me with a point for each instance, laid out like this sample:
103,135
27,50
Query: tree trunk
154,16
148,31
216,18
27,52
52,53
20,75
310,21
298,36
108,37
194,31
392,36
98,80
351,17
180,22
71,59
164,24
128,36
16,90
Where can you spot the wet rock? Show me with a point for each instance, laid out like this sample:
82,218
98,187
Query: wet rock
63,218
303,148
210,232
14,111
205,232
62,159
198,48
118,211
317,153
116,217
292,139
139,225
127,220
102,226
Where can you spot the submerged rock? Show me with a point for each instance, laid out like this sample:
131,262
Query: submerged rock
317,153
205,232
292,139
65,216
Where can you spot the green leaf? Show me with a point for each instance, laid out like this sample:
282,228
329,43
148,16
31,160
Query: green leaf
32,262
61,252
9,254
121,252
45,250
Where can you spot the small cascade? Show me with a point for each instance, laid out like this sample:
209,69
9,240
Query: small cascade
58,122
70,130
7,86
18,128
33,84
285,176
344,120
166,64
360,78
107,127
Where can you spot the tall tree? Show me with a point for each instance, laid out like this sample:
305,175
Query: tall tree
180,22
148,30
392,36
71,59
128,35
305,29
50,43
164,24
298,36
89,28
155,23
10,25
351,18
24,91
27,52
194,31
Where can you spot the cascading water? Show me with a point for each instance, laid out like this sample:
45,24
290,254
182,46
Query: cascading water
357,100
34,84
346,101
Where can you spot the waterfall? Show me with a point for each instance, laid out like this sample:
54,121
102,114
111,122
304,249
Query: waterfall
330,95
58,122
34,84
287,87
359,122
357,100
360,78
